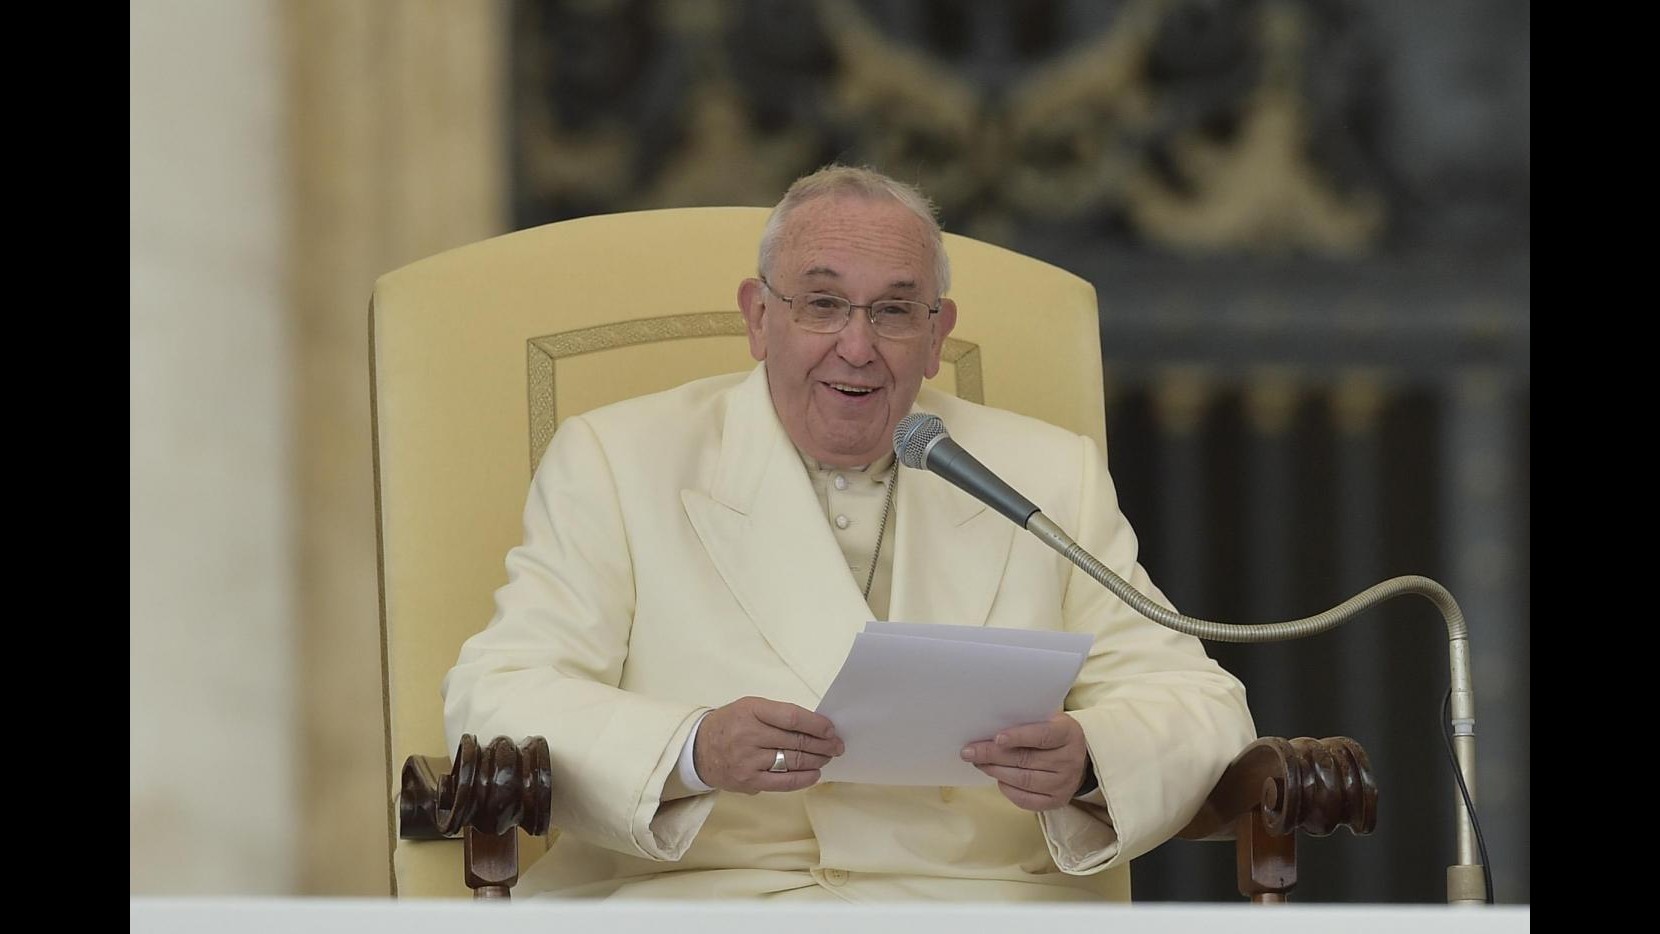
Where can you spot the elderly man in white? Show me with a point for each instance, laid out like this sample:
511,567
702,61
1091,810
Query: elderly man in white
697,562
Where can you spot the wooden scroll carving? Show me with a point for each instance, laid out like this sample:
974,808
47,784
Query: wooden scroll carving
484,796
1277,788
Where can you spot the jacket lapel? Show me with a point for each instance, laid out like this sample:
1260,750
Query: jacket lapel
950,552
767,536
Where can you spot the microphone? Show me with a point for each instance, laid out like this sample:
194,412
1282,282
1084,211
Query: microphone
921,442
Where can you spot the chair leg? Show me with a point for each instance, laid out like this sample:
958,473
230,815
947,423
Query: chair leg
1266,863
491,861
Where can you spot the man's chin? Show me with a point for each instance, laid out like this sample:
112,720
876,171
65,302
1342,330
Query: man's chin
850,451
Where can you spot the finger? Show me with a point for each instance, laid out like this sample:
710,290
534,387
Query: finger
1028,801
1043,760
785,781
794,719
794,761
1047,735
772,738
805,761
1047,784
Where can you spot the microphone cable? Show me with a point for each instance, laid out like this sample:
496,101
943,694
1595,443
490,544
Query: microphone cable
1469,806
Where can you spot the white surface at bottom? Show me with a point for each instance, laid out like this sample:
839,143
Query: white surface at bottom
329,915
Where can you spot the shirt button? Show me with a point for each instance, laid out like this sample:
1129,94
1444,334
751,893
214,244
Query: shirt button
835,876
842,522
841,482
946,794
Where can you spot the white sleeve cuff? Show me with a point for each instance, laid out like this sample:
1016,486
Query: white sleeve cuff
687,768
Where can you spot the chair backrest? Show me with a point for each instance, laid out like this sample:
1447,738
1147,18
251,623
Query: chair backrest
478,353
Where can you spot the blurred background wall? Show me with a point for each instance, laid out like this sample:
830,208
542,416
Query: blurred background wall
284,155
213,634
1307,221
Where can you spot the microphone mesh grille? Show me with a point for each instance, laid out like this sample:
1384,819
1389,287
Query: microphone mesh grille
912,436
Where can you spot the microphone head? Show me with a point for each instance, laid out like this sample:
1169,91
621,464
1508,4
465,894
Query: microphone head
913,435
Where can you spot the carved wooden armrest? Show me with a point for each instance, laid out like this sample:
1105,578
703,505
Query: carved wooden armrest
486,795
1274,789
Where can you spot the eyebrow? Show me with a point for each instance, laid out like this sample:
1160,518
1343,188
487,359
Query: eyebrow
829,273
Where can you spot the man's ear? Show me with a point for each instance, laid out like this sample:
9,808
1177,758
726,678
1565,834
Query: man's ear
751,303
943,323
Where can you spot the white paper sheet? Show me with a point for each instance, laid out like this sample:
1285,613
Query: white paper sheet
1075,642
910,696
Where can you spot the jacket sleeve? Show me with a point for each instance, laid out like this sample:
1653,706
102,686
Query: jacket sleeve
552,656
1162,719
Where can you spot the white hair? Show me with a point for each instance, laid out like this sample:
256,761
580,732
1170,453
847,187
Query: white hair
861,181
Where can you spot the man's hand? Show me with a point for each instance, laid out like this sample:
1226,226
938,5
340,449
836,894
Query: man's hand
737,745
1038,766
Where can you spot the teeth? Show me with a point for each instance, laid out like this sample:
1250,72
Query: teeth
860,390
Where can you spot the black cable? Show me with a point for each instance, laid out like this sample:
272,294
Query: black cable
1469,806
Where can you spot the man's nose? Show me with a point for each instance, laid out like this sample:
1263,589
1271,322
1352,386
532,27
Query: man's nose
857,341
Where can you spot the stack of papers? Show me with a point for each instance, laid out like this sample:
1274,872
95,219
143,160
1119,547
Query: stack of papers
910,696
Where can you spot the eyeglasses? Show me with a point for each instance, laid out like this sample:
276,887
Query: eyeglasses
893,318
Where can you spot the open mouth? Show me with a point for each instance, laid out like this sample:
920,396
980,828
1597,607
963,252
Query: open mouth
852,392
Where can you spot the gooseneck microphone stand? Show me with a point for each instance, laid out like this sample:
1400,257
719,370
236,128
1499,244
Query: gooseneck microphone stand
921,442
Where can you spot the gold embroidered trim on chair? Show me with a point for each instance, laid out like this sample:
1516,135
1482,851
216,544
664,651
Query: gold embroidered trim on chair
543,353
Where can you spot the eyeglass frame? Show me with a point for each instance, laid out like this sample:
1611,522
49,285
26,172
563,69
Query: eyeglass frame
870,309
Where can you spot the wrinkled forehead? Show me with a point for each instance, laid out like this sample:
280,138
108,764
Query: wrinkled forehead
843,235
